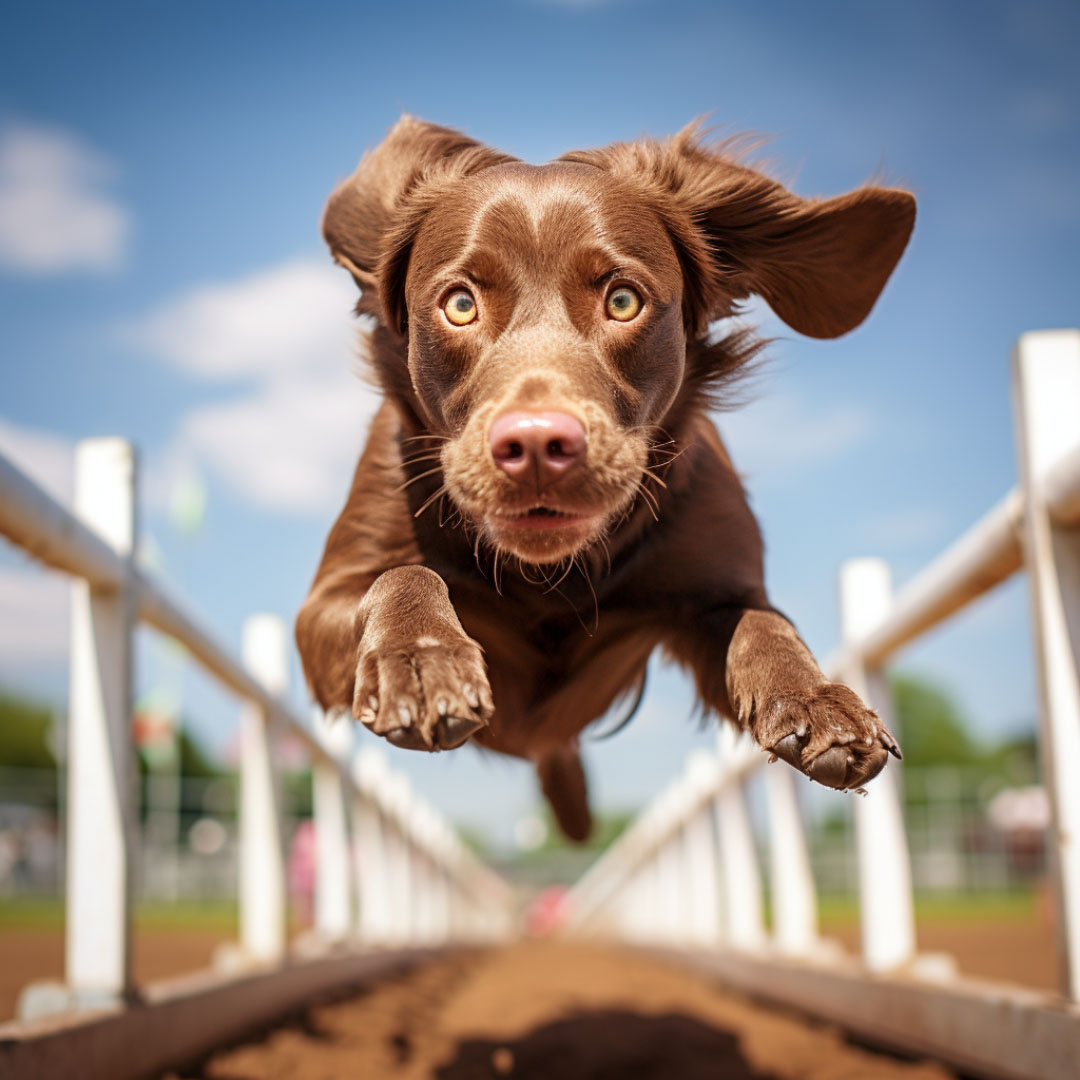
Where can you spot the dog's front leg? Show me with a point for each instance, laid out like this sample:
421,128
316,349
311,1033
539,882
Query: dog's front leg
420,679
417,678
773,687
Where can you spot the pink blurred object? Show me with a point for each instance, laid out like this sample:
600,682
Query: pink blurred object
547,913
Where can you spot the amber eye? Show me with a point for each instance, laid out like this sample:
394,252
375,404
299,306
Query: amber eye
459,307
623,303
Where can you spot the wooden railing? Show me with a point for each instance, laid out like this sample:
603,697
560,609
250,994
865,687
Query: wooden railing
390,872
685,874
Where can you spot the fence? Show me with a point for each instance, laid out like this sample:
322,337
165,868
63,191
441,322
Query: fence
686,875
399,877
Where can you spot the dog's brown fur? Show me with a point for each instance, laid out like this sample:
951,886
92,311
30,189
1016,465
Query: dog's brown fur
433,620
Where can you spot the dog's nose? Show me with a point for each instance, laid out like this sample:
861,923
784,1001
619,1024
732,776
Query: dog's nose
536,445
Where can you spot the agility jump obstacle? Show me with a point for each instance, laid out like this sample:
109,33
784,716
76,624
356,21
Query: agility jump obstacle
683,878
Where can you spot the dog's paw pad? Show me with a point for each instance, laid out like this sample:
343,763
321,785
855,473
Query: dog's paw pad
831,736
429,695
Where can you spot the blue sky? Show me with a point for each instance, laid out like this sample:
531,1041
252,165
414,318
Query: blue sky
162,172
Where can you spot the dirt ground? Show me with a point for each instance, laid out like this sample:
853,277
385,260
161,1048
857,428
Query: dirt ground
538,1011
1017,951
30,953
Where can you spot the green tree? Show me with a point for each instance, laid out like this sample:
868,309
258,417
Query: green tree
25,730
933,731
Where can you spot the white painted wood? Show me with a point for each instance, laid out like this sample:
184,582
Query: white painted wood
371,858
100,793
333,864
983,557
701,853
262,864
1046,376
886,906
742,896
794,896
981,1028
179,1021
402,907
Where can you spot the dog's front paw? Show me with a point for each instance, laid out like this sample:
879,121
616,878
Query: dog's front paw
426,694
827,733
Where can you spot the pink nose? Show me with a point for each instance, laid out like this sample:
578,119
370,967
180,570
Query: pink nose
537,446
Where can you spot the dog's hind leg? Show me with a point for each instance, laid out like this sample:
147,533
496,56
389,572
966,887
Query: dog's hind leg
562,779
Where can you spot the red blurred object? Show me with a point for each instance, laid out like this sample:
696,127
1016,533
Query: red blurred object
548,912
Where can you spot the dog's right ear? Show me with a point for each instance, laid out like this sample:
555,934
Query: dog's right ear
371,219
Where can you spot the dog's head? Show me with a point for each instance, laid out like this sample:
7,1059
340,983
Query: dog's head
544,321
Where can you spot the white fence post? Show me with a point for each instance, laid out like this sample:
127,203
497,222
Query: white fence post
332,862
886,906
742,879
702,855
794,897
400,871
100,795
1046,379
371,858
262,859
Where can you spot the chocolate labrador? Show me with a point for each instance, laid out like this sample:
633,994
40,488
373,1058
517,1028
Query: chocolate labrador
543,499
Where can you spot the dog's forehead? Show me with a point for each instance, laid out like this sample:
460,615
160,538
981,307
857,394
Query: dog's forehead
542,211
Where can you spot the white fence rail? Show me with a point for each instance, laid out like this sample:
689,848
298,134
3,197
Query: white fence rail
695,840
389,870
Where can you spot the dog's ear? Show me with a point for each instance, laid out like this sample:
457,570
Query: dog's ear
819,263
371,219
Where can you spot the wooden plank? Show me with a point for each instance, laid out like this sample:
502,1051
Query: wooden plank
994,1030
180,1021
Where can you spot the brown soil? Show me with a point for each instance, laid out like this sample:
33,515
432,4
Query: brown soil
538,1011
1023,952
1019,952
30,954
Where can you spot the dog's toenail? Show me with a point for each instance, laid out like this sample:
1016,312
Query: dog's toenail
831,767
443,706
471,695
404,715
373,701
790,749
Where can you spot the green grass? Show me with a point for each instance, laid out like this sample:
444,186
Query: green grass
993,907
835,911
48,914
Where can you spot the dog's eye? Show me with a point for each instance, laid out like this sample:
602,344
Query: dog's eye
459,307
623,303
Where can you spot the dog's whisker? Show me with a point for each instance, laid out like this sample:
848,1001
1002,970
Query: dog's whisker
650,500
562,577
422,456
415,438
413,480
427,502
652,476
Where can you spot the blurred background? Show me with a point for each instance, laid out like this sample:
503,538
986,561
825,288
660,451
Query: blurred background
163,168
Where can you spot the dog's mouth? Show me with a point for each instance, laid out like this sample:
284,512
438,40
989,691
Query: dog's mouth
540,517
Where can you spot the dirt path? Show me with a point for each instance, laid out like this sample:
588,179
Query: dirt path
555,1012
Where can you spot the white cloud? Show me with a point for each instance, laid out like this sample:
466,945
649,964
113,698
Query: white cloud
288,320
775,434
907,527
56,213
34,618
289,442
290,446
44,457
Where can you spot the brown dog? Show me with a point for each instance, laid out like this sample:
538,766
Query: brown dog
543,499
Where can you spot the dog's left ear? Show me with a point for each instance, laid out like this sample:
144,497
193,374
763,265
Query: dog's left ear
819,263
371,218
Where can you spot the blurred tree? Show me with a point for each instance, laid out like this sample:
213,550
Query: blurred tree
25,731
933,731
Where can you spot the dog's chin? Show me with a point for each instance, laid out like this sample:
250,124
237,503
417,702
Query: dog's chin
542,537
